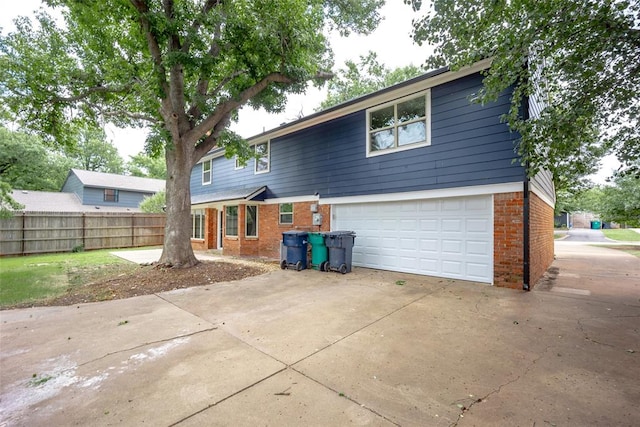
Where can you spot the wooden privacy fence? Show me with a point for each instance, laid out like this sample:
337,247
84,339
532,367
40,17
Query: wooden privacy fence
46,232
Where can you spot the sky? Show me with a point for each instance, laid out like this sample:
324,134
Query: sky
391,41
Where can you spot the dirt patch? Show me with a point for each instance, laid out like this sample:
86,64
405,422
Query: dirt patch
152,279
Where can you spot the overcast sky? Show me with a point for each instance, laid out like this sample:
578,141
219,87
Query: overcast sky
391,41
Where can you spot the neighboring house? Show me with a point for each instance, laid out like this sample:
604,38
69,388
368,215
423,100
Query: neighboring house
111,190
47,201
428,180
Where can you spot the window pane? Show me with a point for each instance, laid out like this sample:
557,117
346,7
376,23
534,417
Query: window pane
110,195
286,218
262,162
206,172
231,221
286,213
382,140
412,133
251,221
411,110
381,118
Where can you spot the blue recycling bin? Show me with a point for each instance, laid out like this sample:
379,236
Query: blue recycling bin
340,245
295,255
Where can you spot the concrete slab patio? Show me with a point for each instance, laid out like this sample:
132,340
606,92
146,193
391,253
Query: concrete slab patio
311,348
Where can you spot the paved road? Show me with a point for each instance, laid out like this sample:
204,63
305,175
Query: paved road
585,235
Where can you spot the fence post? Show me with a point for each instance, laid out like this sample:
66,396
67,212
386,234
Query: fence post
23,237
84,226
133,242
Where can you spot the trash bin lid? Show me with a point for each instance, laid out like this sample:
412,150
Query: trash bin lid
298,233
341,233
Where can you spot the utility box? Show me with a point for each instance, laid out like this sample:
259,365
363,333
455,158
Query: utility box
316,219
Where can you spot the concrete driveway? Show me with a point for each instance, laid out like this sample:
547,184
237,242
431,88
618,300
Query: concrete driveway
311,348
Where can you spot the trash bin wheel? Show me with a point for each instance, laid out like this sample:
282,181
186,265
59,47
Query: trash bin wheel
324,266
283,264
343,269
299,265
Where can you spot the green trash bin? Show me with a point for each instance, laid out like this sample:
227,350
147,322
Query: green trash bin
596,225
318,251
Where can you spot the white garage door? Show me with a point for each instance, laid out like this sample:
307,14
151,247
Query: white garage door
450,237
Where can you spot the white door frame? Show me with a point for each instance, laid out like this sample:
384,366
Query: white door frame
219,229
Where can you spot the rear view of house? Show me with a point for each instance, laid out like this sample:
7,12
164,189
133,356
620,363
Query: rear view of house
427,179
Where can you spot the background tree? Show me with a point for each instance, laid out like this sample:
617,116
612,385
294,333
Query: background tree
621,203
7,202
183,68
27,164
92,152
147,166
155,203
582,55
364,77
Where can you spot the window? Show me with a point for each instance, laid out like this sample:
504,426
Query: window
231,221
110,195
398,126
238,164
206,172
197,224
251,221
262,157
286,213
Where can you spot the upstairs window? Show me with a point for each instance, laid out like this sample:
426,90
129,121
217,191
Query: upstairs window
262,157
286,213
400,125
110,195
206,172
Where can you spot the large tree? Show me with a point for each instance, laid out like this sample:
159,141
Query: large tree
364,77
92,152
580,56
183,68
147,166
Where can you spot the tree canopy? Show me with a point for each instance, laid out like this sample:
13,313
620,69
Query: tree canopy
147,166
364,77
182,68
580,57
92,152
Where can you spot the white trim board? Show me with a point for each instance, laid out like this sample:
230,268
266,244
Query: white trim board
478,190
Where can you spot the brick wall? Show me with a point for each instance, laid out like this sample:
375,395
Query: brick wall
540,237
508,234
210,237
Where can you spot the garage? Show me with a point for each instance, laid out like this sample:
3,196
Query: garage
448,237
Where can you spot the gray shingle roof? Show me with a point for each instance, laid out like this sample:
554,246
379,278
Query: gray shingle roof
45,201
120,182
230,194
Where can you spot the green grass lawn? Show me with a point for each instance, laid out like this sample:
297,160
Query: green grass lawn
36,277
622,235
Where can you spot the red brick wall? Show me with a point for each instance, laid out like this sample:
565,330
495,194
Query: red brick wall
508,249
210,227
540,238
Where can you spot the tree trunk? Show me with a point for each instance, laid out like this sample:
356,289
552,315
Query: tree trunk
177,251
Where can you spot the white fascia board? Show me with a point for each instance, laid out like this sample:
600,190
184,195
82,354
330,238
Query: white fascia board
295,199
478,190
372,101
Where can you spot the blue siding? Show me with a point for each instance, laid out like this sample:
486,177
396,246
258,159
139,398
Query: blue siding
126,199
73,185
469,146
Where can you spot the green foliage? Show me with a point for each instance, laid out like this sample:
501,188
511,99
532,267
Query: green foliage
92,152
364,77
622,235
147,166
580,56
7,203
181,68
621,203
155,203
27,164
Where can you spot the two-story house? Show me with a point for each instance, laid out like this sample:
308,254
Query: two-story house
429,181
110,190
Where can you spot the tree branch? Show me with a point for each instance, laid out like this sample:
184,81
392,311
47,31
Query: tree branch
92,90
208,6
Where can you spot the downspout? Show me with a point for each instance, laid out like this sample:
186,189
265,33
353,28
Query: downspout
525,235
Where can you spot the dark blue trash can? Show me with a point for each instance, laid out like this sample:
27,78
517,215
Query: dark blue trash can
340,245
295,243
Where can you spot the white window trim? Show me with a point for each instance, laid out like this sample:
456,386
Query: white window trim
193,223
237,219
427,94
255,167
280,213
210,171
237,166
245,222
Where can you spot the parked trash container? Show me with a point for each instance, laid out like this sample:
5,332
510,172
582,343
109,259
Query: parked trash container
296,254
319,252
596,225
340,244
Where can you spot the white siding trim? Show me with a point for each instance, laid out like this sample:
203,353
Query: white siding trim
427,194
294,199
540,193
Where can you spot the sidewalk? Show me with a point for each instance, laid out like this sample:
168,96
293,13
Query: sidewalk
315,349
